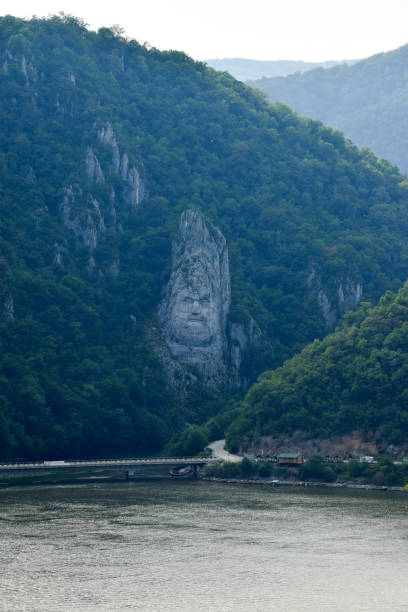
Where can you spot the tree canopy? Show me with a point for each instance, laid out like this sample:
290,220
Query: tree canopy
354,379
310,222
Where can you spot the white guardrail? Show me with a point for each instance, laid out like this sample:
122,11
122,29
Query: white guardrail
75,463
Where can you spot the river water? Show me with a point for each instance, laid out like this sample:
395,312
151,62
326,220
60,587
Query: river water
169,546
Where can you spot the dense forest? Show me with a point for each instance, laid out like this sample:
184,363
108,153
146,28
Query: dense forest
354,379
247,69
104,143
367,101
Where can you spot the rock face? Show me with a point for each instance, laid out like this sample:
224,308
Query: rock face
134,190
93,167
193,313
347,296
85,219
240,337
7,311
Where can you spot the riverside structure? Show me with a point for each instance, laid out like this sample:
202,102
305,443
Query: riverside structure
127,465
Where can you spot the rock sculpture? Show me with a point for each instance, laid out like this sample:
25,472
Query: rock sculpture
193,313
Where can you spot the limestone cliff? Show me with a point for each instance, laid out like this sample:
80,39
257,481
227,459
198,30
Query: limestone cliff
134,188
333,304
93,167
83,218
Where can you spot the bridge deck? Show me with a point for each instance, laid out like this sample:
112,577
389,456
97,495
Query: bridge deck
105,463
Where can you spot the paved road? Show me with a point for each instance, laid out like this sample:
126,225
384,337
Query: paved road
106,463
220,453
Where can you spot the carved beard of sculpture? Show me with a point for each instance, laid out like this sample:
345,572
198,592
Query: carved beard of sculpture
194,312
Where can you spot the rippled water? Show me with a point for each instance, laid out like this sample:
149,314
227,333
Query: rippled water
164,546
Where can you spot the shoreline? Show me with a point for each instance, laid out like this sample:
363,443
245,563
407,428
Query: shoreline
301,483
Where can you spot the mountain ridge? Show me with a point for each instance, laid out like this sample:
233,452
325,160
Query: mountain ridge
105,144
366,100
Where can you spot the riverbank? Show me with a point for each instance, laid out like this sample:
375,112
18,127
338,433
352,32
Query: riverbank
299,483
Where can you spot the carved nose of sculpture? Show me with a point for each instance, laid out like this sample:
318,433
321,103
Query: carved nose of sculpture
195,309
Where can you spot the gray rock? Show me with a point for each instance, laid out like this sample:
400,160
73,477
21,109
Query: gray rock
106,136
30,176
350,293
39,215
114,268
193,313
24,67
333,305
59,255
93,167
328,311
85,220
7,312
134,191
240,336
29,71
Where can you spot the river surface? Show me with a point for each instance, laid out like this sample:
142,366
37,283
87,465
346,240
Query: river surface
169,546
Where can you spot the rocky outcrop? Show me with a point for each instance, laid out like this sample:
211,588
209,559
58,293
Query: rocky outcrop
106,136
114,268
334,304
83,218
349,294
22,62
240,337
30,176
194,310
134,190
59,254
7,310
93,167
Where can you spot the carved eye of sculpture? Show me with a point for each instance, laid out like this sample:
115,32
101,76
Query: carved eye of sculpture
205,300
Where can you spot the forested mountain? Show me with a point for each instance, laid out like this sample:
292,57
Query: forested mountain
354,379
104,144
246,69
367,101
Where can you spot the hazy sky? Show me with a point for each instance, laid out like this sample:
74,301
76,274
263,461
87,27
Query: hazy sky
311,30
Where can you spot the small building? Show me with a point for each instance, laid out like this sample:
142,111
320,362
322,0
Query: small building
367,459
290,459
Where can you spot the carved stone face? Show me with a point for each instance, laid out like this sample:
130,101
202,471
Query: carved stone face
194,314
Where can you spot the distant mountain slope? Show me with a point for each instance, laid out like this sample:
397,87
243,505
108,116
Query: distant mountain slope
354,380
246,69
104,143
367,101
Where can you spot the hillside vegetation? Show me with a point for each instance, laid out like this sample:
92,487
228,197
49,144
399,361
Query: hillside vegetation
353,380
368,101
104,143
